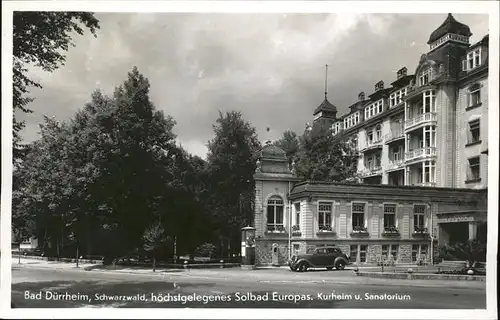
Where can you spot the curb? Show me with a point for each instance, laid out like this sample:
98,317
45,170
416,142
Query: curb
421,276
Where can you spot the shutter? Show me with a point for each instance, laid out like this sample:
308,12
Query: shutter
469,133
464,65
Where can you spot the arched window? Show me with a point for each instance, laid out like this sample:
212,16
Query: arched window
378,133
275,214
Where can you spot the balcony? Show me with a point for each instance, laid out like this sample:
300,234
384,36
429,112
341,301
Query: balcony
394,136
420,154
370,172
276,229
325,230
419,231
374,144
296,231
358,231
395,165
428,118
390,232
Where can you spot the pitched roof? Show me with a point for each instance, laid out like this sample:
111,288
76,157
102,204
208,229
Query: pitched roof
325,106
450,25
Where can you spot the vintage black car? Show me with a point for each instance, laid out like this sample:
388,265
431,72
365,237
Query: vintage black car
321,257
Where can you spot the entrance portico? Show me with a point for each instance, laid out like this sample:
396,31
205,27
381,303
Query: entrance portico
461,226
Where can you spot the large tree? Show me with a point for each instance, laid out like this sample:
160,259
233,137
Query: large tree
41,39
103,176
232,155
323,156
290,143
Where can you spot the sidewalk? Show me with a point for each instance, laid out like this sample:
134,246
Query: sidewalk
34,263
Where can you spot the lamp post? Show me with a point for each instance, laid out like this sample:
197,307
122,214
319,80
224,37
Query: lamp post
431,234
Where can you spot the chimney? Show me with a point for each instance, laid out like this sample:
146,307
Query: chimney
361,96
402,72
379,85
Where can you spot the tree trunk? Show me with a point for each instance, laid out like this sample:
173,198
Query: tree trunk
154,262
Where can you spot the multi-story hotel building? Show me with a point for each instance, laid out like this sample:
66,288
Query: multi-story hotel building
427,128
422,157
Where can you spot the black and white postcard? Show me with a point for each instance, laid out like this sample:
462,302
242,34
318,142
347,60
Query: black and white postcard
250,160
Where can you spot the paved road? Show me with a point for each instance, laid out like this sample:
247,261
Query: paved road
229,288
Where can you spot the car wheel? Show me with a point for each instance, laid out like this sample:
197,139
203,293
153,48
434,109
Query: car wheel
340,265
293,269
302,267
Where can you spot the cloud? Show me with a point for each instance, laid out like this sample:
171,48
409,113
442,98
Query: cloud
268,66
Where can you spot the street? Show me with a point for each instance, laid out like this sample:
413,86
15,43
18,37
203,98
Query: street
236,288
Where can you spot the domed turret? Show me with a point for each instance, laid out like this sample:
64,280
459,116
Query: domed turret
450,25
272,152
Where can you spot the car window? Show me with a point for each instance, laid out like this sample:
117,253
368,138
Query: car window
331,250
321,251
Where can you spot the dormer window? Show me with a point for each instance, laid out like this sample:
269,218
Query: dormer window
374,109
425,76
397,97
472,61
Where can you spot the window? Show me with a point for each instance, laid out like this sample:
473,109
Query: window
414,252
474,169
370,136
353,257
378,133
418,250
385,250
425,76
394,251
358,215
377,160
389,216
297,214
325,216
474,96
393,100
362,253
474,59
423,249
396,154
474,132
374,109
275,214
296,248
418,218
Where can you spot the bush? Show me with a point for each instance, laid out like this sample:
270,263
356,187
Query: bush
205,250
470,251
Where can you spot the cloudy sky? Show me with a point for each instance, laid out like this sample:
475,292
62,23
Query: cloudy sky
271,67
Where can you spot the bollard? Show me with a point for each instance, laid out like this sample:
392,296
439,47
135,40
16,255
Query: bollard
185,264
221,264
410,271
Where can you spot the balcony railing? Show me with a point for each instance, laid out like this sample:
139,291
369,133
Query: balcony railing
373,171
393,136
275,228
420,153
423,118
373,144
395,165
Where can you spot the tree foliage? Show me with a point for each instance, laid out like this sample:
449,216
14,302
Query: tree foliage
470,251
232,156
290,144
41,39
154,239
325,157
